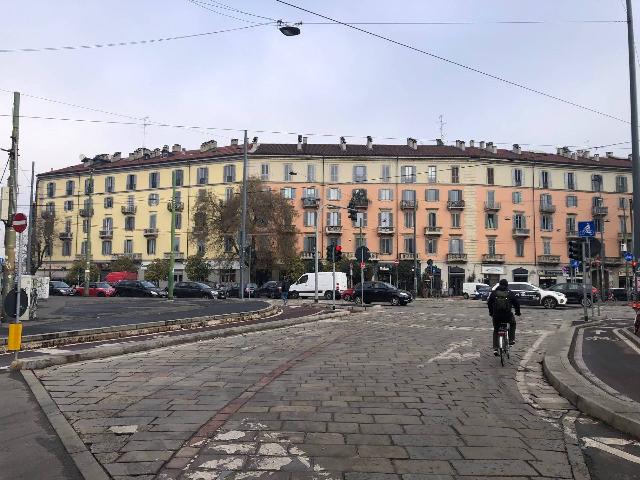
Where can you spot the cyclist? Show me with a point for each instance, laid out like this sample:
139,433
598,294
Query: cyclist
285,291
500,303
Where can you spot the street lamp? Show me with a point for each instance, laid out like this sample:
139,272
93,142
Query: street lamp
288,30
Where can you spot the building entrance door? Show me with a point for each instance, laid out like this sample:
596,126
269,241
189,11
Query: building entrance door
456,279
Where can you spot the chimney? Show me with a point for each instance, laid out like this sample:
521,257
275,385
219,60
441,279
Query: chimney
596,157
460,145
116,156
165,151
472,143
439,142
176,147
412,143
304,140
343,144
254,145
609,154
559,150
156,152
132,156
299,148
481,144
517,149
208,146
574,155
234,142
587,154
369,142
630,157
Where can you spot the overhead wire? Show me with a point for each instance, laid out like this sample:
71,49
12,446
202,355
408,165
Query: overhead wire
217,12
224,6
488,22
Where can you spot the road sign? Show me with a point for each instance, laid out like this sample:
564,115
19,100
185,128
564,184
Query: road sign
10,303
575,263
587,229
19,223
363,254
628,256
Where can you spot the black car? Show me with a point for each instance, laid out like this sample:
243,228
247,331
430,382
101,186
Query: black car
138,288
232,290
380,292
575,292
194,290
271,289
59,288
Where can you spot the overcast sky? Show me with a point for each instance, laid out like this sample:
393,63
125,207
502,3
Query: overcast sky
328,80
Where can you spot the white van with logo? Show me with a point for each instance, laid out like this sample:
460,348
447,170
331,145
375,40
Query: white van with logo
470,290
305,286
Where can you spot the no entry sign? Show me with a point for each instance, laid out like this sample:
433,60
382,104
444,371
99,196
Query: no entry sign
19,223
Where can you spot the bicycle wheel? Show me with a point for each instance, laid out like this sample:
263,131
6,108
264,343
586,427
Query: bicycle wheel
506,345
501,349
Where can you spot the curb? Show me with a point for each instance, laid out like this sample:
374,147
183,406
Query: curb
624,416
56,339
114,350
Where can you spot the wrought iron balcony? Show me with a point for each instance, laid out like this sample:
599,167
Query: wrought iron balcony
179,206
624,236
86,212
549,259
132,256
433,230
333,229
310,202
455,204
407,204
176,255
491,206
521,232
105,234
456,257
386,230
409,256
128,209
151,232
65,235
599,211
493,258
547,208
573,234
613,261
360,202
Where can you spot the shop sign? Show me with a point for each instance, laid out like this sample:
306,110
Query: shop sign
492,270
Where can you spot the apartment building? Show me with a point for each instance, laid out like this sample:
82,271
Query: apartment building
479,211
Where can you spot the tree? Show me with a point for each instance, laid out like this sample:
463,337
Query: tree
270,230
75,275
344,266
44,238
123,264
197,268
157,271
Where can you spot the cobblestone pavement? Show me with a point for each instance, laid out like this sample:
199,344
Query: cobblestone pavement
396,393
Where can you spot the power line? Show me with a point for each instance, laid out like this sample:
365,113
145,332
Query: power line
202,5
458,64
224,6
129,43
488,22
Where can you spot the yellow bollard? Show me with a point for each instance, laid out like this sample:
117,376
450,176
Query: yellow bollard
15,337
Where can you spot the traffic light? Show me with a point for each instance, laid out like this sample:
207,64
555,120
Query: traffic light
330,252
634,265
338,253
353,212
574,250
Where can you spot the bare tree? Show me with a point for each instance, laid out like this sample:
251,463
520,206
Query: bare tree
44,239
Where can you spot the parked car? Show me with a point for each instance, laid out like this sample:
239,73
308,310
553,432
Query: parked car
380,292
115,277
232,290
470,289
347,294
138,288
97,289
270,289
482,293
529,294
305,286
575,292
220,288
57,288
194,290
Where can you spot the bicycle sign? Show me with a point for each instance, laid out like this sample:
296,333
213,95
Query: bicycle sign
587,229
628,256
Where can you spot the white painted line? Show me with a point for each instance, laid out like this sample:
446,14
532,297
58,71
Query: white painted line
52,351
520,380
451,354
592,442
633,346
615,441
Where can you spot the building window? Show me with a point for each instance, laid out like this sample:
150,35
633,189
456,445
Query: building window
310,193
202,175
516,197
311,172
68,205
228,244
572,201
546,200
176,244
288,172
519,247
334,219
109,184
70,187
432,195
597,202
67,225
409,246
178,221
490,176
333,194
66,248
432,245
229,174
599,224
309,244
455,195
386,246
360,218
130,223
456,245
596,182
106,247
128,246
517,177
310,219
334,173
50,208
88,186
51,189
621,184
154,179
432,174
408,174
288,192
83,247
571,224
131,182
386,173
622,223
385,219
545,179
385,194
151,246
491,246
108,202
519,221
409,195
455,174
200,247
432,219
455,220
153,220
359,173
85,225
408,219
264,171
491,221
546,223
546,246
107,223
179,176
570,181
622,203
154,199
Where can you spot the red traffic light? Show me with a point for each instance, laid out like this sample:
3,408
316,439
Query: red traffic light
338,248
634,264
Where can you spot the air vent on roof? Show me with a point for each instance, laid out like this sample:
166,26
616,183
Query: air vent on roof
596,157
299,147
176,147
369,142
343,144
208,146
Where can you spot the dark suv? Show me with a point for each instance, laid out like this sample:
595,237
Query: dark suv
575,292
271,289
138,288
380,292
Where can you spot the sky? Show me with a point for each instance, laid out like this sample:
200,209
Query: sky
330,80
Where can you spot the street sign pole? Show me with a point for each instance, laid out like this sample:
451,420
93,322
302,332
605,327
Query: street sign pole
584,281
19,284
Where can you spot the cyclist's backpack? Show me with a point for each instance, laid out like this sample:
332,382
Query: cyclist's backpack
502,304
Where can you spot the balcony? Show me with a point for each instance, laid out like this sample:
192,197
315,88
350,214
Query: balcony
307,255
46,215
386,230
409,256
374,256
613,261
179,206
407,204
520,232
333,229
493,258
106,234
455,205
310,202
433,231
86,212
624,236
177,256
573,234
349,255
599,211
151,232
457,257
132,256
491,206
128,209
65,235
547,208
360,202
548,259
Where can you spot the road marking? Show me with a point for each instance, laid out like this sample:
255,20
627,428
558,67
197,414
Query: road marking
616,441
607,339
633,346
451,354
592,442
52,351
598,332
520,380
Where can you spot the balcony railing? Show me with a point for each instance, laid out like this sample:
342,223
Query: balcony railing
407,204
374,256
520,232
179,206
456,257
433,230
132,256
573,234
360,202
151,232
455,204
493,258
613,261
128,209
386,230
547,208
176,255
333,229
310,202
306,255
549,259
65,235
599,211
86,212
409,256
624,236
106,233
491,206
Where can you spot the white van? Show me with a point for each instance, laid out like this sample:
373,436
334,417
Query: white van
305,285
469,290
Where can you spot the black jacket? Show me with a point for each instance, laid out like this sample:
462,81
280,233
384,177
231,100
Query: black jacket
515,304
285,286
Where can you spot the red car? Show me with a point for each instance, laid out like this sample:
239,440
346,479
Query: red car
347,294
97,289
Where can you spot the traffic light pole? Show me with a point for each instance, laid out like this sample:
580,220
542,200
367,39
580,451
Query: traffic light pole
584,280
333,303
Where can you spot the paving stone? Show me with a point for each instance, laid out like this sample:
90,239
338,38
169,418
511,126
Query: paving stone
498,453
325,438
433,453
145,456
493,467
423,466
379,451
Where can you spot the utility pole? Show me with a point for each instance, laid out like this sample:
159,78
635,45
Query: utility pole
32,216
415,247
89,218
316,254
172,255
602,259
584,281
9,233
243,226
626,247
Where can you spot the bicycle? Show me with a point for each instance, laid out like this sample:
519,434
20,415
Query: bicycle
609,298
503,341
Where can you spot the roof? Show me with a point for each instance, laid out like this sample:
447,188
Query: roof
335,150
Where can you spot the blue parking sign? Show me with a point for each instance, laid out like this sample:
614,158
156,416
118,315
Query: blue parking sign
587,229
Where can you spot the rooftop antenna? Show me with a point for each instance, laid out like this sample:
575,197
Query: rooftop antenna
442,124
144,131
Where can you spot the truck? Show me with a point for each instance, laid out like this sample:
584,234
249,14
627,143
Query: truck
305,286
